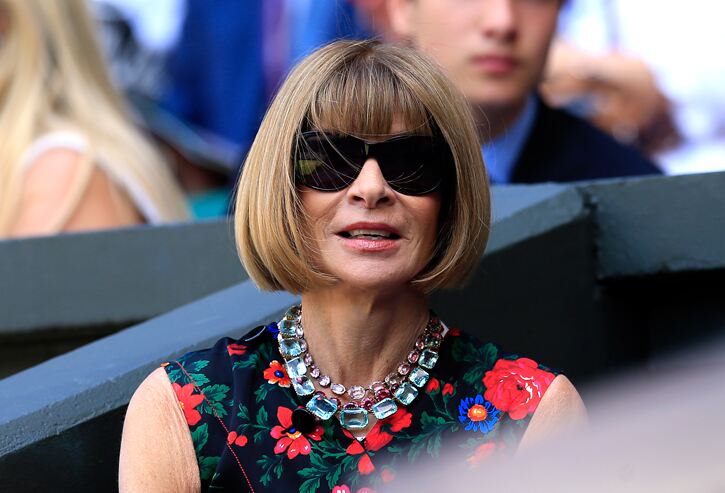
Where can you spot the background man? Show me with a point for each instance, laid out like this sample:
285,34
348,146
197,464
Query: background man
495,51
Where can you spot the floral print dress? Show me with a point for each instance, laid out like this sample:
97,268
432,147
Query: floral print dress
238,403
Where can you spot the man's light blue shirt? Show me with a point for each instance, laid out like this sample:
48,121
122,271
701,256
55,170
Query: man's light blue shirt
501,153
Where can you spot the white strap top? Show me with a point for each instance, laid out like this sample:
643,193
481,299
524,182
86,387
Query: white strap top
77,142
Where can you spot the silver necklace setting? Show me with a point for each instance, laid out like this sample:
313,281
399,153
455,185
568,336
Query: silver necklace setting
380,397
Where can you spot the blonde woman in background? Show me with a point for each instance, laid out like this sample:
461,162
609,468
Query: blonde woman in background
70,156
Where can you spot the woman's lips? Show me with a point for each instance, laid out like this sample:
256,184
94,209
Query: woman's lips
370,245
495,64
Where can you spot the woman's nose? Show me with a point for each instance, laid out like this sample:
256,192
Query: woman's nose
370,188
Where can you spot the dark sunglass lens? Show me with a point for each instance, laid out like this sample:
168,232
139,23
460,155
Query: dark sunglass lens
412,165
323,162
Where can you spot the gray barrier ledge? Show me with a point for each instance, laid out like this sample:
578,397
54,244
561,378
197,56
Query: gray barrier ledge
112,278
97,378
659,225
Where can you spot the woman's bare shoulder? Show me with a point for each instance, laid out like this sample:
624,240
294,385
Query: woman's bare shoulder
560,411
61,191
157,452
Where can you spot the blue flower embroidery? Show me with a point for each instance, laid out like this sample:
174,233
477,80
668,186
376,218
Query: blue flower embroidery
478,414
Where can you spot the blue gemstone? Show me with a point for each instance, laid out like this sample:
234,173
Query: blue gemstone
428,359
405,393
287,328
289,347
384,408
322,407
303,386
296,368
354,418
418,376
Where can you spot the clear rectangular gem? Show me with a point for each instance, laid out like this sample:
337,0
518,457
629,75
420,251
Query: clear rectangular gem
322,407
289,348
406,393
296,368
287,327
303,386
386,407
428,359
418,376
354,418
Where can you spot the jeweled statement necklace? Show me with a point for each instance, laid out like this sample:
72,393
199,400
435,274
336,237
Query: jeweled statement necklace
380,397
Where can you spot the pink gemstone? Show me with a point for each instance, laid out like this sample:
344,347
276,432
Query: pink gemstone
315,372
324,380
419,344
382,394
308,359
337,401
404,369
375,386
367,403
392,378
413,356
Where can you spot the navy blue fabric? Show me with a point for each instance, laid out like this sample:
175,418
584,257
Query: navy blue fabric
565,148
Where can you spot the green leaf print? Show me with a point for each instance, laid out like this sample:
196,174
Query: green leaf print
178,376
214,395
262,416
243,412
427,421
261,393
270,464
250,362
474,375
310,486
199,436
198,365
207,466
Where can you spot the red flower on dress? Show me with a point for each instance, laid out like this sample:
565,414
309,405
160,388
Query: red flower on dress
454,332
387,475
448,389
433,385
289,438
188,402
277,373
516,386
235,439
235,348
377,438
482,452
398,421
346,489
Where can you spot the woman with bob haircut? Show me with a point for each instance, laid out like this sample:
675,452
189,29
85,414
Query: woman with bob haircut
70,156
364,191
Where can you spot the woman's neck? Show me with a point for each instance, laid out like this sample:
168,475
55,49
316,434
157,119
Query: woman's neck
357,337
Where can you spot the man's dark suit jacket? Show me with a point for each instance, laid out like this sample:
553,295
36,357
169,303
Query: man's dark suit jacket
563,148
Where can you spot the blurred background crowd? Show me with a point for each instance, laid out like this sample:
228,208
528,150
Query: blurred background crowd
123,112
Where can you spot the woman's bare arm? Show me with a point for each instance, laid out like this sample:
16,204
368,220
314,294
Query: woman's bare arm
157,453
560,411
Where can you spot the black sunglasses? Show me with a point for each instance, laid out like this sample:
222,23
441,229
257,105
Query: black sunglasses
411,164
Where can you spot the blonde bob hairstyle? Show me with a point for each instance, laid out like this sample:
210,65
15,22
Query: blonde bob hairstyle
53,78
357,88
